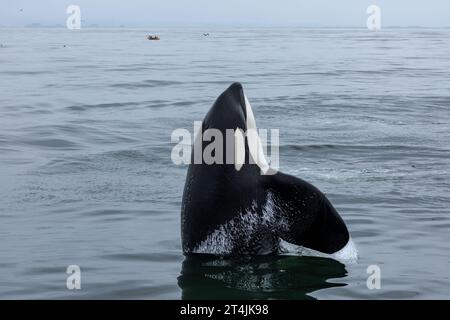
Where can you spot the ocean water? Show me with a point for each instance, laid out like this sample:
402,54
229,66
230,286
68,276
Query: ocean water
86,176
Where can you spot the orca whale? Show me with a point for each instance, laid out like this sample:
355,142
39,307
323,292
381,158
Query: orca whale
230,210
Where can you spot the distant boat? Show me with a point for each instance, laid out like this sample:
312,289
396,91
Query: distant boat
206,34
153,38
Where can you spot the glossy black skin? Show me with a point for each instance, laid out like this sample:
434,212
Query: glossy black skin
215,194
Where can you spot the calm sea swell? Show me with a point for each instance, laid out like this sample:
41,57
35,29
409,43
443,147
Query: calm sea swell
87,179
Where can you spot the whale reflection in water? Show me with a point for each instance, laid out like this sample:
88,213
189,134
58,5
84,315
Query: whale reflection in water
261,277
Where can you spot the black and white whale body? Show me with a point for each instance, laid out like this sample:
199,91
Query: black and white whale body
237,210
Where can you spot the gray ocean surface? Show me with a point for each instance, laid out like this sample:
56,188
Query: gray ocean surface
86,176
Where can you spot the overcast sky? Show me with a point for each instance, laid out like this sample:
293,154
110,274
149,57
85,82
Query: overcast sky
176,13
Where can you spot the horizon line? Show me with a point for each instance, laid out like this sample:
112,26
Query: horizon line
98,26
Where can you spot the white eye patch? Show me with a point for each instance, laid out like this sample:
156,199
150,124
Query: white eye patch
254,142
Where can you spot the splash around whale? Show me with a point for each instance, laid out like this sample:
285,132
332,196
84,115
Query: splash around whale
250,208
